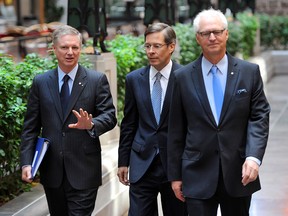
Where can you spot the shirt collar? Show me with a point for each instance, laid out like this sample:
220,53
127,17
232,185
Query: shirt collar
71,74
222,64
165,71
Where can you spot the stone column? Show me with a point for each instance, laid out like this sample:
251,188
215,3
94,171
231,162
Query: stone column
106,63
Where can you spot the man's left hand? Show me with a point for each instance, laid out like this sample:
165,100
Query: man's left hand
84,120
250,171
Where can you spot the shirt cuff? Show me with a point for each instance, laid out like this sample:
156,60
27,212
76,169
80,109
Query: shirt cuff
254,159
91,132
25,166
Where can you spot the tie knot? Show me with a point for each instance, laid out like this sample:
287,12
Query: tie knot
66,78
214,69
158,76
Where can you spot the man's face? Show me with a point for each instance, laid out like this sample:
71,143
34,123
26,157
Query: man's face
157,51
67,51
212,44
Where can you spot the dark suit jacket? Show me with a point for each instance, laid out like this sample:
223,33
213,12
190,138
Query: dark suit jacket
196,145
71,149
140,134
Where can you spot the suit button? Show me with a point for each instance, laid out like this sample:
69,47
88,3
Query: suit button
63,134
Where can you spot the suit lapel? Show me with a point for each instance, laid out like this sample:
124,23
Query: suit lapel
54,91
144,86
167,99
232,77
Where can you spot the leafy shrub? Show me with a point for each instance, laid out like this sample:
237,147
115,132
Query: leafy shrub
12,107
248,25
273,31
130,55
234,39
189,48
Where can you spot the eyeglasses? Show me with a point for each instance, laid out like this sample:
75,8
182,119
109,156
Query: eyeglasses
156,46
216,33
67,48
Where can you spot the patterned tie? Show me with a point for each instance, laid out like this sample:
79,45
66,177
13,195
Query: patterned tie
217,91
156,96
64,94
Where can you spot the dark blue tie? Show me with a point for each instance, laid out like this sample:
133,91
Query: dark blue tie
64,94
156,96
217,91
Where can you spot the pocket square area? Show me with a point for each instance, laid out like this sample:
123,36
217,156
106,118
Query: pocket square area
241,91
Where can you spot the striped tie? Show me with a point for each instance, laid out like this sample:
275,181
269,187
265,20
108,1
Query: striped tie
156,96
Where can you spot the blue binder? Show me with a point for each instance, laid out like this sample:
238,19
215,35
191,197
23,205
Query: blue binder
40,150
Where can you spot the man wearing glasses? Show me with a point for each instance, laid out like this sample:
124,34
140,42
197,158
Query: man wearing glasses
218,125
143,137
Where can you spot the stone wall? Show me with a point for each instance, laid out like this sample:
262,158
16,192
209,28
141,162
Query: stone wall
272,7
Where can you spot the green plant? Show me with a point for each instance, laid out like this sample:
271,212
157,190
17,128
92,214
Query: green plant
234,38
248,25
273,31
189,48
12,107
129,55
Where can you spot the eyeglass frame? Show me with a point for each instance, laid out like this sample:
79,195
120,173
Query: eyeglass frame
207,34
156,46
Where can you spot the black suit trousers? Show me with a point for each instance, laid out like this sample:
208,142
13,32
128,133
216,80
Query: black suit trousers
143,194
68,201
236,206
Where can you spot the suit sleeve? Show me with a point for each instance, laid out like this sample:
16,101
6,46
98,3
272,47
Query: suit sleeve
177,128
258,124
105,118
129,125
31,126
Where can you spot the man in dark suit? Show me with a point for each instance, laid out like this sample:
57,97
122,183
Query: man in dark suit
143,138
214,152
71,169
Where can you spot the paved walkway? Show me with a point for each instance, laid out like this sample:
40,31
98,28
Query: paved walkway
272,200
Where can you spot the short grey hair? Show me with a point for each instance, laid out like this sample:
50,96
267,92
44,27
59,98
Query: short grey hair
208,13
65,30
168,31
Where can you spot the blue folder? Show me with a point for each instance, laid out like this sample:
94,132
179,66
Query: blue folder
40,151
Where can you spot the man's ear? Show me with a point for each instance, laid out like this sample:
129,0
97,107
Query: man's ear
197,38
172,47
